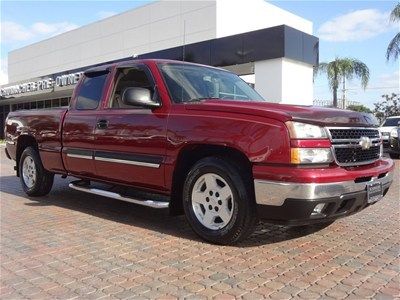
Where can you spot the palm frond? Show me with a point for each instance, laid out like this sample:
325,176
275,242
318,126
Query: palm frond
361,71
395,14
393,49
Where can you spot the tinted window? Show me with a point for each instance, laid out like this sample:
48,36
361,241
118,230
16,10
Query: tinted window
391,122
91,91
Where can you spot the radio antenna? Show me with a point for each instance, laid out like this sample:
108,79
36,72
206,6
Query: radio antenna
184,40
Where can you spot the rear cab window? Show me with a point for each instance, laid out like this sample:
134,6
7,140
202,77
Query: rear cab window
91,90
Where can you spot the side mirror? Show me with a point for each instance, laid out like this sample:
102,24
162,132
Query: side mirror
138,96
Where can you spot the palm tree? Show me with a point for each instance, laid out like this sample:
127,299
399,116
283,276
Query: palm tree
341,69
393,49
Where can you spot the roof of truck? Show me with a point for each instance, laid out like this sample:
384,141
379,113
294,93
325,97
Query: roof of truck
127,63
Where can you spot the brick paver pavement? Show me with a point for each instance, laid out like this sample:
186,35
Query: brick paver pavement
70,244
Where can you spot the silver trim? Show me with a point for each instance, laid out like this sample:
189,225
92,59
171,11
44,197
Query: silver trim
376,142
128,162
275,192
79,156
149,203
355,145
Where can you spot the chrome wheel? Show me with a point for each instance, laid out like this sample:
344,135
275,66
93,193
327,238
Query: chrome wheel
29,171
212,201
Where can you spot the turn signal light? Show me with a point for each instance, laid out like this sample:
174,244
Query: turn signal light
311,155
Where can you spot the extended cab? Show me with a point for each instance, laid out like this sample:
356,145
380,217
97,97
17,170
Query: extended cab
199,140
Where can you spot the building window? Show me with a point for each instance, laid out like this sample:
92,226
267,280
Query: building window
47,104
65,102
55,103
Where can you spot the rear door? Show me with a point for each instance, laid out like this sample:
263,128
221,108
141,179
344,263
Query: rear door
80,122
130,141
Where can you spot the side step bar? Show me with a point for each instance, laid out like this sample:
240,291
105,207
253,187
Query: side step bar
149,203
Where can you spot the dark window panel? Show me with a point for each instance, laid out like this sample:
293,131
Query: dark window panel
310,49
55,103
199,53
65,102
227,51
33,105
47,104
40,104
293,44
263,44
175,53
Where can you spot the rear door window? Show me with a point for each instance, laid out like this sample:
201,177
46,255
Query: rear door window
91,90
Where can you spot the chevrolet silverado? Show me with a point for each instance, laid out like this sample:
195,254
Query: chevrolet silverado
200,141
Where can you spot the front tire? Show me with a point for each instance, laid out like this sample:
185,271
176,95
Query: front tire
219,202
35,180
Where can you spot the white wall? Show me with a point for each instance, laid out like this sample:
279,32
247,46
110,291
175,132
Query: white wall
282,80
297,83
238,16
152,27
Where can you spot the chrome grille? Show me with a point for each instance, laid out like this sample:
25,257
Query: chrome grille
353,133
347,149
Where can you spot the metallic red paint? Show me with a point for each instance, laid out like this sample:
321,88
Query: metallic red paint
256,129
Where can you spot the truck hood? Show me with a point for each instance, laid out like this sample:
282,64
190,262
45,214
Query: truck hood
283,112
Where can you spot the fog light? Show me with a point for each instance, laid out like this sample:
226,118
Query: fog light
317,212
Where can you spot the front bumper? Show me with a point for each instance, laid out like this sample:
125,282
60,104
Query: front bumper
294,203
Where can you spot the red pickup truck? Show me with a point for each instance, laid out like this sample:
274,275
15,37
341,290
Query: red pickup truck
200,141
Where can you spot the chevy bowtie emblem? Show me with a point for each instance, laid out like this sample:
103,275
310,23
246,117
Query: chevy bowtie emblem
365,143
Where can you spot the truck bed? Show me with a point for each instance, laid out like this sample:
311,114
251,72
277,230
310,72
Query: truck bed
45,125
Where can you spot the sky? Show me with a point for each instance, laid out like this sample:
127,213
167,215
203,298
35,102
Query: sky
358,29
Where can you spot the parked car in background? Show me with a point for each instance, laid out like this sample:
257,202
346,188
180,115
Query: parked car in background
394,143
386,127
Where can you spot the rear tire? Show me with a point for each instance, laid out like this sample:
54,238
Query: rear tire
35,180
219,202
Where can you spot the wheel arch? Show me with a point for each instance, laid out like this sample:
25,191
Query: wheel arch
191,154
23,142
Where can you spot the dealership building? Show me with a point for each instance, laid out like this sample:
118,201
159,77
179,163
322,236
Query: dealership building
269,47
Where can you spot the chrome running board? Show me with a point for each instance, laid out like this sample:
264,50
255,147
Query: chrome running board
149,203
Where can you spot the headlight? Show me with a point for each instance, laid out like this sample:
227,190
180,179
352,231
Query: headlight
311,156
305,131
394,133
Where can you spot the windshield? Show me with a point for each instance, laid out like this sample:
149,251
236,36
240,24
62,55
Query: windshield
193,83
391,122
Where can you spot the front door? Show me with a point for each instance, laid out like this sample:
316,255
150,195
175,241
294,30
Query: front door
130,141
